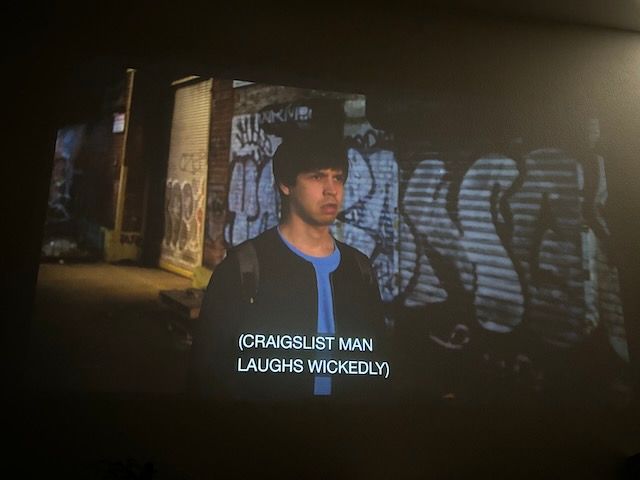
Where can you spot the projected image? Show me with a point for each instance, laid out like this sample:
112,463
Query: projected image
449,262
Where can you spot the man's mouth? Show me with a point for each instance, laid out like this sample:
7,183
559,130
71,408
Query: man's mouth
329,208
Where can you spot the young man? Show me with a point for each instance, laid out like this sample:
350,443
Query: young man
293,313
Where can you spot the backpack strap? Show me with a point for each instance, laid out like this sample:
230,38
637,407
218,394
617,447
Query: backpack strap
249,270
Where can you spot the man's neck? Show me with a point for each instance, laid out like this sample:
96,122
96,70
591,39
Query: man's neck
309,239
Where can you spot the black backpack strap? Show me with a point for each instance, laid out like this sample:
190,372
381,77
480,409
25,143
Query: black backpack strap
249,270
365,268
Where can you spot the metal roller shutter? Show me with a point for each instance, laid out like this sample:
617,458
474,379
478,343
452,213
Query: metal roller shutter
185,196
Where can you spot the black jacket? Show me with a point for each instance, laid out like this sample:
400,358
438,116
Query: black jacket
285,304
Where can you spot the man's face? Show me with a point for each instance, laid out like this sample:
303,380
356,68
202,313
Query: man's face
316,197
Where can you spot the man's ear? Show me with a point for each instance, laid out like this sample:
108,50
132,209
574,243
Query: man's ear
284,189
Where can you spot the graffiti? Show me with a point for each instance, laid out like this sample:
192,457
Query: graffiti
473,246
193,163
68,143
601,288
511,243
173,213
253,202
369,216
434,261
250,139
498,296
184,215
370,138
457,338
287,113
546,241
61,176
187,177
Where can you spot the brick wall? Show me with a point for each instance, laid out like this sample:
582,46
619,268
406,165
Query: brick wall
218,177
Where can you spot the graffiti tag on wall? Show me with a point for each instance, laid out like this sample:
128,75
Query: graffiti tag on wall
68,143
253,203
514,240
184,216
369,217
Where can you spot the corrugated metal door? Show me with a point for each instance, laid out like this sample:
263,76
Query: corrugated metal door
185,195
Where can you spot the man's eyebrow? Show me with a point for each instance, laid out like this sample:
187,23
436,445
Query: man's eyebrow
325,171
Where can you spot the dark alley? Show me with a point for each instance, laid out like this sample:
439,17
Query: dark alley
102,327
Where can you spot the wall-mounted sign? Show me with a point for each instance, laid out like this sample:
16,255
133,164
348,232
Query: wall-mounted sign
118,122
241,83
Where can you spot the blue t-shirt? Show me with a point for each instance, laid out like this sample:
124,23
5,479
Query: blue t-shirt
326,322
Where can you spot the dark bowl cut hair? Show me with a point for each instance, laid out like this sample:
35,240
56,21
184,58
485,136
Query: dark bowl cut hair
306,152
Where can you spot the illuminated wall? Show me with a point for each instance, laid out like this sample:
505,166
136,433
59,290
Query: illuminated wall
511,244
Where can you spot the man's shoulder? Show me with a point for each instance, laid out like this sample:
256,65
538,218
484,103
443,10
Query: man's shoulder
352,251
241,267
245,260
261,241
245,253
359,261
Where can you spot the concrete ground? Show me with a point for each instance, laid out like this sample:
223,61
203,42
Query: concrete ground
101,328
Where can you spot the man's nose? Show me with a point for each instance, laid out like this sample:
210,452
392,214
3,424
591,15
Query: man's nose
330,186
